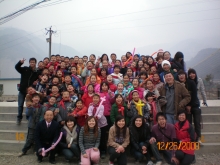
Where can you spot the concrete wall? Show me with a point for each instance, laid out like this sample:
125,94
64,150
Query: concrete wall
10,86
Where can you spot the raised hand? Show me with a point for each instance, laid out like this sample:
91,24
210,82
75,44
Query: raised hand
22,61
129,105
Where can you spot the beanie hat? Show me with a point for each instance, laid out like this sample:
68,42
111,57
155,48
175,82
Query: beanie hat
166,62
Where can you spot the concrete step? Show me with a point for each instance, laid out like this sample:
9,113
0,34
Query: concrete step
11,125
211,117
13,135
210,137
9,109
9,116
211,109
211,127
11,145
208,148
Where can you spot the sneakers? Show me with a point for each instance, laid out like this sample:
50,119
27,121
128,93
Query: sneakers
150,163
159,163
110,163
18,122
200,142
21,154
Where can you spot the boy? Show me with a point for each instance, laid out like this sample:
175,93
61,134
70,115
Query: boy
52,105
117,77
41,86
34,114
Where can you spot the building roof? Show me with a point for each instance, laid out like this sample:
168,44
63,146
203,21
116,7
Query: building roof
9,78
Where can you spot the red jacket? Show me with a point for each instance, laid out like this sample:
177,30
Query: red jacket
112,87
81,115
86,99
185,134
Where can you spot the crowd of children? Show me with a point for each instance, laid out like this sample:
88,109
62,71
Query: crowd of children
95,101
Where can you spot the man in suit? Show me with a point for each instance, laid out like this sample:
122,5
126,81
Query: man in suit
47,133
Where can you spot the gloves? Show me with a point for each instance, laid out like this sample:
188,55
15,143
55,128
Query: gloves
204,103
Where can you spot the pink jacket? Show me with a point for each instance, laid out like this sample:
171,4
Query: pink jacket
140,92
107,103
97,88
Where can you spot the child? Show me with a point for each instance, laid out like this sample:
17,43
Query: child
76,79
119,108
120,90
80,113
80,66
156,81
143,76
30,92
126,82
34,114
134,68
137,87
151,88
60,76
52,105
55,93
54,82
93,81
93,72
139,65
130,74
137,107
103,75
67,81
73,95
87,96
150,61
89,139
86,71
41,86
118,140
65,108
112,86
117,77
97,110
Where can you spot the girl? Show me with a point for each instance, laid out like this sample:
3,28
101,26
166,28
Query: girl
119,108
103,75
73,95
150,61
179,62
151,88
139,65
126,82
112,86
118,140
76,79
139,137
97,110
80,113
69,142
55,93
93,72
120,90
137,107
147,67
159,62
143,77
93,81
67,81
89,139
140,90
60,76
86,71
130,74
134,69
156,81
87,96
117,77
80,66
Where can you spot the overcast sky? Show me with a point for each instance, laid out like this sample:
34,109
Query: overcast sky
111,25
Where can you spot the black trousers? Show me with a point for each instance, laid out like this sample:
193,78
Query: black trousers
195,116
52,152
121,157
29,140
184,159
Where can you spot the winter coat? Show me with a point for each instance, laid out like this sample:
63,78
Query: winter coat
115,113
81,115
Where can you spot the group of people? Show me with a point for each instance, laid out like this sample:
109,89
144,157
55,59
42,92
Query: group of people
88,107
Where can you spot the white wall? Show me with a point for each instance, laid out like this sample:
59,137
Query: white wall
10,86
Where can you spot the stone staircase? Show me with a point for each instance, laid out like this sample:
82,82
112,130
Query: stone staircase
12,136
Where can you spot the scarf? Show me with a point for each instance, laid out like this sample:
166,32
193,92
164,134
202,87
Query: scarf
154,111
120,109
56,95
70,135
95,106
156,82
139,106
77,78
62,103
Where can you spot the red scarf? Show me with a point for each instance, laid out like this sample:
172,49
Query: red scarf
95,108
62,103
154,111
120,109
79,81
36,106
156,82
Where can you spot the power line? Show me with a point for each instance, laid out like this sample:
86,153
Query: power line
51,4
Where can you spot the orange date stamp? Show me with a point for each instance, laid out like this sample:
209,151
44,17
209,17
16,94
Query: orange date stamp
178,146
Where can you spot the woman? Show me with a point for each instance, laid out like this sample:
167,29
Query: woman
119,108
139,137
199,83
69,142
178,62
89,139
118,140
193,107
184,133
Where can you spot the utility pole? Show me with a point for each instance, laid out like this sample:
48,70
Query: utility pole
50,38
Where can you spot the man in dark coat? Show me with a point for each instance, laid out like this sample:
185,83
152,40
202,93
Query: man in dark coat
28,76
47,133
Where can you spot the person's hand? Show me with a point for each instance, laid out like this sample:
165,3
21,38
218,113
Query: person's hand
95,149
205,104
188,109
52,146
129,105
121,149
144,152
35,82
144,148
85,156
175,160
152,140
69,145
22,61
174,70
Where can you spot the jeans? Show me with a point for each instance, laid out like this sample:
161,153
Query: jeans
170,118
29,140
69,153
138,155
166,154
184,159
121,157
196,115
21,99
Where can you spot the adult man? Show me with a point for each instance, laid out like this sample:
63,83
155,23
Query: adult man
177,97
162,133
166,66
28,76
47,133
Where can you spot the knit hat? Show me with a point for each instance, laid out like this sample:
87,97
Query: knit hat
166,62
